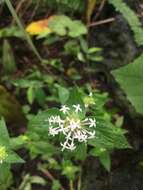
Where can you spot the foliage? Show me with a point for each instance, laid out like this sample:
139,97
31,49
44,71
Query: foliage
107,135
29,180
58,24
9,64
65,118
20,25
7,155
90,9
63,25
131,18
66,5
10,31
130,79
8,103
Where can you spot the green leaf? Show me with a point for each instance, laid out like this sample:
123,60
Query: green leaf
4,136
8,61
105,160
130,78
56,185
38,180
76,29
11,31
103,155
80,152
41,119
63,25
40,96
108,136
31,94
13,158
63,94
59,24
5,176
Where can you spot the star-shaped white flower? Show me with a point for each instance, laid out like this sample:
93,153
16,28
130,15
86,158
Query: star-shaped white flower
77,108
64,109
92,122
73,129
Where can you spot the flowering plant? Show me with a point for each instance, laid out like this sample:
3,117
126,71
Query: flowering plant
72,126
80,122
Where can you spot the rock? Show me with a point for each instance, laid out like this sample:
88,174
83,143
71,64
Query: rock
11,109
117,42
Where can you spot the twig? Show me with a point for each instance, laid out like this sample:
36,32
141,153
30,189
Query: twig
102,22
18,8
18,21
100,9
35,9
19,5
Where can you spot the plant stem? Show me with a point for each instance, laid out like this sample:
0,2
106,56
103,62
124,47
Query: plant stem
71,185
79,182
15,16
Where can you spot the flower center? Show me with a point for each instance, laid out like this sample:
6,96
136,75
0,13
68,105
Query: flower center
74,125
3,153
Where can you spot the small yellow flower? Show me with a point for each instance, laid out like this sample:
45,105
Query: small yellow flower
88,100
40,26
3,154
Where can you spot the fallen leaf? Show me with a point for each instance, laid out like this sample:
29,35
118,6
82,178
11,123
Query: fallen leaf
40,26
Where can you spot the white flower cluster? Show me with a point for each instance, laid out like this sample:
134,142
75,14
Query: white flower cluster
73,128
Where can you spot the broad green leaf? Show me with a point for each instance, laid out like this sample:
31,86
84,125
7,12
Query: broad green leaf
7,155
38,180
63,94
109,137
63,25
41,119
130,78
59,24
5,176
76,29
25,83
80,152
105,160
13,158
103,155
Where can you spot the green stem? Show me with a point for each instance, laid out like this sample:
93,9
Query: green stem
79,182
15,16
71,185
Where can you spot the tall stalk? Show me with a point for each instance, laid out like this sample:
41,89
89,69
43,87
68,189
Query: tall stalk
19,23
71,185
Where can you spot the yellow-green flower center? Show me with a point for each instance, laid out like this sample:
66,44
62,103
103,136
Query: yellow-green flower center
3,153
